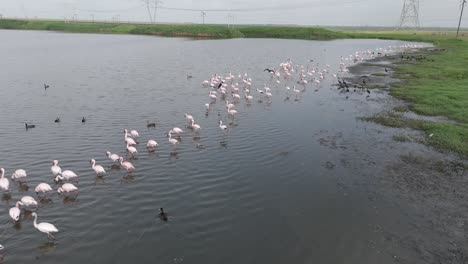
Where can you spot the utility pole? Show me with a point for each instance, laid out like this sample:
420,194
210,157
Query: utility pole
461,14
203,14
409,13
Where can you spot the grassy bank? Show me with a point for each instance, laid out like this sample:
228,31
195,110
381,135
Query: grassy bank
173,30
437,85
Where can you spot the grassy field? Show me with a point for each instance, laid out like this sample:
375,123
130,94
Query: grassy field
437,85
173,30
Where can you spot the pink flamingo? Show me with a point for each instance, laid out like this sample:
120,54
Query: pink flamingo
134,134
67,175
113,157
4,182
28,201
15,212
195,126
173,141
98,169
126,165
68,188
43,188
188,117
131,149
128,139
19,174
151,145
55,169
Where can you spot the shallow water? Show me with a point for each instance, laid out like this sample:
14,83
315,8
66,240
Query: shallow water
291,181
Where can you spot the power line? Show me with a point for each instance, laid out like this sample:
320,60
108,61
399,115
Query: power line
269,8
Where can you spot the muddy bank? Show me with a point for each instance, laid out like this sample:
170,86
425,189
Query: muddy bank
429,186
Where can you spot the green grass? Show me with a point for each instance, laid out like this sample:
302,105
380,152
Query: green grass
174,30
437,85
380,74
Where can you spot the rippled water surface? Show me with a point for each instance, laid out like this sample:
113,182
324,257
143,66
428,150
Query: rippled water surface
289,181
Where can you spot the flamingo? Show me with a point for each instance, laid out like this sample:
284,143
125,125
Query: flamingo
177,130
27,201
15,212
152,144
19,174
188,117
173,141
97,168
131,149
236,96
296,91
113,157
268,94
228,105
43,188
195,126
248,97
134,134
55,169
44,227
126,165
223,127
4,182
67,175
128,139
68,188
231,112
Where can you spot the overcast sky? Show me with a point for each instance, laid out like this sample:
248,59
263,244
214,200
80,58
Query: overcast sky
433,13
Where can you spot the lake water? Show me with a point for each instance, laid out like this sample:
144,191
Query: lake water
290,181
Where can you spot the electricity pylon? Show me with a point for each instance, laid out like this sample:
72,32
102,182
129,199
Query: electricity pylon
409,14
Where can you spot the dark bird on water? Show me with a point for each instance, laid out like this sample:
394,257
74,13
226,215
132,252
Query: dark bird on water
386,70
83,120
46,86
57,120
269,70
148,124
220,84
29,126
162,214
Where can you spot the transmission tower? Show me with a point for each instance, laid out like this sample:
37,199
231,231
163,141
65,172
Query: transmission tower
410,14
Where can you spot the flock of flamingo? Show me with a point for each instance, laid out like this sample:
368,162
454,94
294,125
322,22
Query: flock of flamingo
229,89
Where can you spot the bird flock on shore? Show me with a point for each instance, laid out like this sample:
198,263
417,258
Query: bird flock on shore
225,91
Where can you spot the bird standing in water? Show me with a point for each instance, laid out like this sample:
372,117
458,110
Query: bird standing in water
162,214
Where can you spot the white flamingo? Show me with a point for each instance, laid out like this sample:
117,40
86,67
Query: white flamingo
113,157
232,112
131,149
134,134
128,139
42,188
67,175
188,117
28,201
19,174
126,165
195,126
176,130
98,169
223,127
68,188
55,169
173,141
152,144
15,212
44,227
4,182
248,97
